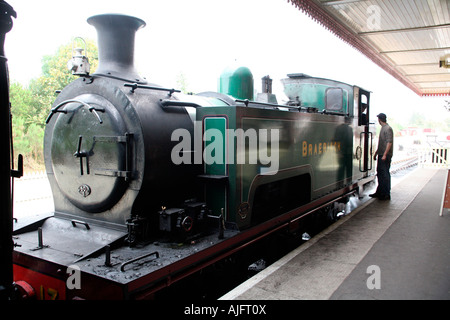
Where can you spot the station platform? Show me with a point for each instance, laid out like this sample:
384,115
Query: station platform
397,249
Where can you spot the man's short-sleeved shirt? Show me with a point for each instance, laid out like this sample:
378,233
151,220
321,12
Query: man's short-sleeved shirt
386,135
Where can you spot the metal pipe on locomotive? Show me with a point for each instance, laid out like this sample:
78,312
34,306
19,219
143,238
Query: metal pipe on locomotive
109,154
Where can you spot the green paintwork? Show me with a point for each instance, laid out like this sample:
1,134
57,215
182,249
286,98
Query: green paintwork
237,82
215,163
321,146
313,92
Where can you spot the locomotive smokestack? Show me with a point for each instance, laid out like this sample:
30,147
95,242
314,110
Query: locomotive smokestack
116,34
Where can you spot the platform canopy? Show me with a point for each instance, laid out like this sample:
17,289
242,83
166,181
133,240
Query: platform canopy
410,39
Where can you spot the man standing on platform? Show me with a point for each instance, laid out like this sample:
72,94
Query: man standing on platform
384,153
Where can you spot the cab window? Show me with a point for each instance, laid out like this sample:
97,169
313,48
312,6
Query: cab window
363,105
334,98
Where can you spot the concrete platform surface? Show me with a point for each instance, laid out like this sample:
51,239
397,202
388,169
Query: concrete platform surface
397,249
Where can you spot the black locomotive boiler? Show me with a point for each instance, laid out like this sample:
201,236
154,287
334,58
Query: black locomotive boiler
108,141
129,220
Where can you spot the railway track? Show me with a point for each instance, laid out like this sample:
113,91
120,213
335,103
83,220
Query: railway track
404,163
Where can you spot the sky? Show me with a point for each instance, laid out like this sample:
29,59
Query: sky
200,38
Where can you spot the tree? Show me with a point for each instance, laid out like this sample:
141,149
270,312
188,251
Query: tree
31,105
182,83
21,103
417,119
55,76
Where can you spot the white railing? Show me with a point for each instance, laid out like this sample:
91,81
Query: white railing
434,157
33,175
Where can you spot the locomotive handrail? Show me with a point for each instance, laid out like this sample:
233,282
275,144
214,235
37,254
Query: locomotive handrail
90,108
365,161
176,103
370,150
135,86
75,222
122,266
246,102
334,113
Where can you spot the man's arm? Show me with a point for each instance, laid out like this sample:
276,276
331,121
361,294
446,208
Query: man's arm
386,152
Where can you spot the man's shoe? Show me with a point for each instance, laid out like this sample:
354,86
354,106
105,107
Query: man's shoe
373,195
384,198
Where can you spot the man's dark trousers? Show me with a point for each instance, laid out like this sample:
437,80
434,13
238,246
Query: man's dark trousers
384,177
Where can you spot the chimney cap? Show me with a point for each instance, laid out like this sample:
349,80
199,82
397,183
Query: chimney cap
113,18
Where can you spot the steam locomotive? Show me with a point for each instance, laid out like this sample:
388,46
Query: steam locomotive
151,185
